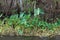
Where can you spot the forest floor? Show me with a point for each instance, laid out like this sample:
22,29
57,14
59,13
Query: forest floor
39,32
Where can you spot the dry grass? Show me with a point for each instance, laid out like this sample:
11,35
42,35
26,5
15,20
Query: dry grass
27,32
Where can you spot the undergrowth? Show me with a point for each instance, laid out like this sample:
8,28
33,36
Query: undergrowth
26,22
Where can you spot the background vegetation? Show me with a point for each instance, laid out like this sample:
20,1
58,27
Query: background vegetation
29,17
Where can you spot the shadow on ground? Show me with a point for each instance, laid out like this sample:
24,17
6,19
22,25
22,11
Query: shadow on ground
57,37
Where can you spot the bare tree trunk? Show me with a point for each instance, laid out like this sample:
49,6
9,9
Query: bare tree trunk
21,4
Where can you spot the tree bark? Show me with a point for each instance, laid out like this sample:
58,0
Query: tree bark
21,4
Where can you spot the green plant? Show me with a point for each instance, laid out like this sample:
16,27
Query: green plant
20,32
0,22
1,15
13,19
21,15
38,11
58,22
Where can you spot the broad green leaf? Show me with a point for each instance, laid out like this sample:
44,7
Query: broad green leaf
21,15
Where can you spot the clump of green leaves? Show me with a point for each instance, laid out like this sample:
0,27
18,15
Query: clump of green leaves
26,22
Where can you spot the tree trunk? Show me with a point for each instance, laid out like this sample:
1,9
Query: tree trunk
21,4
